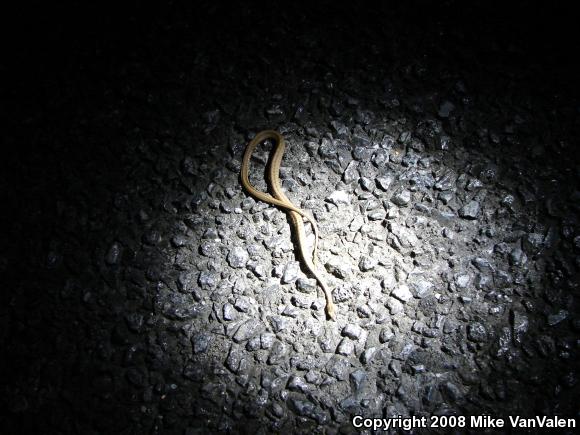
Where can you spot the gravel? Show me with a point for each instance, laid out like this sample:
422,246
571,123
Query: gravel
146,292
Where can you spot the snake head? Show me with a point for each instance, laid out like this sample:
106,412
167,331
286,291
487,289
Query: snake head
331,311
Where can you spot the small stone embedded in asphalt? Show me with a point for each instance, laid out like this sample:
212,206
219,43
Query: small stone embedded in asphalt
113,254
367,263
520,324
473,184
362,153
357,379
470,210
278,323
482,264
297,383
267,340
386,335
152,237
238,257
462,280
339,197
533,243
291,272
290,311
394,306
247,330
253,344
366,183
201,342
401,238
211,234
342,293
306,285
421,288
402,198
229,313
178,240
445,109
345,347
368,355
235,360
178,306
445,181
207,279
388,283
350,173
380,157
517,257
352,331
476,332
377,215
242,304
364,312
418,368
337,268
338,367
277,352
402,293
445,197
327,149
209,248
560,316
384,182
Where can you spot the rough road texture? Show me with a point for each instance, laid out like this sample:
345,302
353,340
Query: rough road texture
144,292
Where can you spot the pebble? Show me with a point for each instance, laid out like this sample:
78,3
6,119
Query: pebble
367,263
291,272
385,335
352,331
306,285
394,306
421,288
228,312
327,149
277,353
476,332
338,368
345,347
402,198
350,174
358,379
337,268
200,342
247,330
297,383
384,183
178,241
339,197
152,237
113,254
238,257
560,316
445,109
402,293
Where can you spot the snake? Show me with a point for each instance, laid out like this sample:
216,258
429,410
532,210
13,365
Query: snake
279,199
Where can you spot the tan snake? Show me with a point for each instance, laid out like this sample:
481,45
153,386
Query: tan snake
279,199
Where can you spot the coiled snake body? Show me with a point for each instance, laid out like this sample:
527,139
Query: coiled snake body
279,199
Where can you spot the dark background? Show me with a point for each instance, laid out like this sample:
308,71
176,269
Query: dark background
89,93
